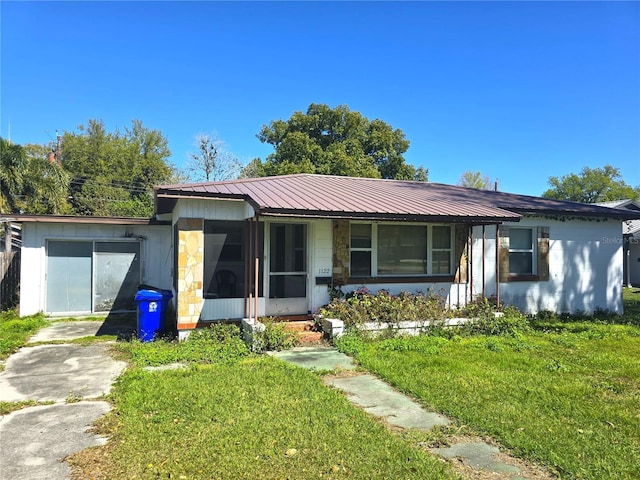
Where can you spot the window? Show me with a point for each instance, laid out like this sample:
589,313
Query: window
361,249
396,250
224,258
521,251
441,250
523,254
402,250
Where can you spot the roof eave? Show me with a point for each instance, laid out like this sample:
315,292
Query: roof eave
376,216
622,215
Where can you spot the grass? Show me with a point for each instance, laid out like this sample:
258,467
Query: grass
566,395
253,418
8,407
15,331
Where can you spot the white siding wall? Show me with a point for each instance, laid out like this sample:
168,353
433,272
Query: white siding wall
212,209
585,268
321,247
585,265
156,253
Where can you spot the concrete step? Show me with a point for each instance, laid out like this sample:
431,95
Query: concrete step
310,338
300,326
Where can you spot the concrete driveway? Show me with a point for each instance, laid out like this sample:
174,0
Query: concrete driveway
35,441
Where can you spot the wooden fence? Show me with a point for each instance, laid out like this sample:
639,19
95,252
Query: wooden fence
9,279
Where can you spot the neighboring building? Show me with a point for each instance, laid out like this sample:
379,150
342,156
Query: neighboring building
276,245
631,242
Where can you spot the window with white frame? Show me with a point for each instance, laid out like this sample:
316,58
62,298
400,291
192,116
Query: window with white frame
392,249
522,251
361,249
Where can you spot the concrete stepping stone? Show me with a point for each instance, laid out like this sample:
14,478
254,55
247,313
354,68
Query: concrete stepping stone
477,455
378,398
316,358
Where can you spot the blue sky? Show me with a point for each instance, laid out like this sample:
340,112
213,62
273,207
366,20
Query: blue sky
517,90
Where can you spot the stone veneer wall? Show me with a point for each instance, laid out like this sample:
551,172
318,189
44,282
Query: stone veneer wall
340,252
190,299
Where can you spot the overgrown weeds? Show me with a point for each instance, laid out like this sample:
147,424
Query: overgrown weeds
274,336
217,343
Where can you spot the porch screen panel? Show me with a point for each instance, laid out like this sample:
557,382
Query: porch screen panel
225,250
69,276
288,261
116,275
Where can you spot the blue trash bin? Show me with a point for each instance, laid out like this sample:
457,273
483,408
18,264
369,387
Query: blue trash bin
151,307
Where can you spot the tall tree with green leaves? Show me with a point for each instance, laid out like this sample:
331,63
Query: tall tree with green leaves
477,180
592,185
335,141
113,173
13,162
46,182
30,182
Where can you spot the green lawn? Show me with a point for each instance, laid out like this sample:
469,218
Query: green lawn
235,415
566,395
255,418
15,331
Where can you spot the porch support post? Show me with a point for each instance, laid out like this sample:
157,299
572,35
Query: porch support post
498,263
257,254
247,264
470,241
484,263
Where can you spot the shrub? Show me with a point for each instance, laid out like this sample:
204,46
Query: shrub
218,343
509,323
362,306
273,337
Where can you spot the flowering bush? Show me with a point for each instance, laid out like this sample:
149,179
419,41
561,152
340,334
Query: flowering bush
362,306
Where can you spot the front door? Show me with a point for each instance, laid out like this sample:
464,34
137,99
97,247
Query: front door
287,269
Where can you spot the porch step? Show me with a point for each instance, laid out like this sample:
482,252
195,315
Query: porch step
300,326
306,332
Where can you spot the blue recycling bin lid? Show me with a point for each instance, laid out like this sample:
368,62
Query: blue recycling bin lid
149,295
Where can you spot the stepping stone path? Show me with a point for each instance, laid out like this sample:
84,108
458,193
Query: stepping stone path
472,457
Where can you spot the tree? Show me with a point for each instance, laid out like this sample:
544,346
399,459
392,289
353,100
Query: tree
13,162
30,183
114,173
46,183
335,142
212,162
592,185
475,180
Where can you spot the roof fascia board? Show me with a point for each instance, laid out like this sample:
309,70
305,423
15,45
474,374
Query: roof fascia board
620,215
482,220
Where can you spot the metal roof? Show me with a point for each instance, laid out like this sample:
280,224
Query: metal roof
349,197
